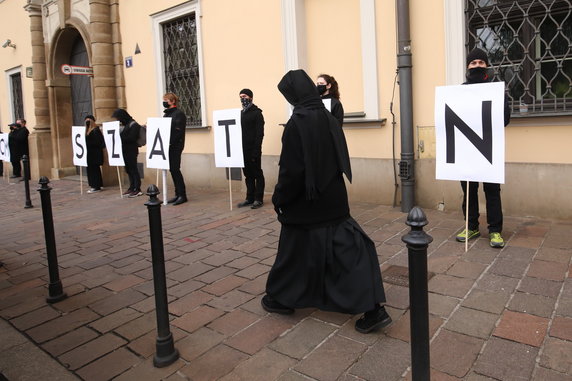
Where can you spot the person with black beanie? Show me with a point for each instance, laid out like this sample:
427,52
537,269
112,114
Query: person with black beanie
324,260
176,146
94,143
252,124
478,71
129,136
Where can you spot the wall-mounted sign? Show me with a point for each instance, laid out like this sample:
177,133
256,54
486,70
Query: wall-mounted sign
128,61
76,70
29,72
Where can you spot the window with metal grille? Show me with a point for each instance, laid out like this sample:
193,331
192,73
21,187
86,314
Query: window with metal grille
17,101
529,45
180,51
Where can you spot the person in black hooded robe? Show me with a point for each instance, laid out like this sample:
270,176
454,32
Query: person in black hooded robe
129,136
324,260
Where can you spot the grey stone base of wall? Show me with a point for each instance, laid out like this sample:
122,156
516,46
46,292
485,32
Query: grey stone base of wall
540,190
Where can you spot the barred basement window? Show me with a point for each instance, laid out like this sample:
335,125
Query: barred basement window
529,45
180,52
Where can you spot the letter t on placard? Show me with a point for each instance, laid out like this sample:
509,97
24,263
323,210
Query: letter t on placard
226,123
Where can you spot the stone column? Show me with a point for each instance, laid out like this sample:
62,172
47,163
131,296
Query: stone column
40,139
108,80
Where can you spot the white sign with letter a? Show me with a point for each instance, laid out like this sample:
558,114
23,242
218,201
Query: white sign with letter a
228,138
111,134
4,148
469,132
79,146
158,137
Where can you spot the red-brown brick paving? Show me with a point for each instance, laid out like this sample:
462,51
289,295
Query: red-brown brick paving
495,314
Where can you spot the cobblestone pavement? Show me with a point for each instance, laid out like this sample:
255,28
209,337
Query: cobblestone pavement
494,314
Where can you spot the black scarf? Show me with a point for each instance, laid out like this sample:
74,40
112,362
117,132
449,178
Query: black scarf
315,124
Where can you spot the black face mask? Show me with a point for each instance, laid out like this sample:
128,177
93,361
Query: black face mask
479,75
321,89
166,104
245,102
87,123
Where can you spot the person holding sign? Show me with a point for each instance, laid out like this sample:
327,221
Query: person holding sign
328,89
176,146
252,123
325,259
18,143
129,136
95,144
478,71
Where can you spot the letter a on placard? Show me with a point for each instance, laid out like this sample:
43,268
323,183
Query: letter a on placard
158,132
154,150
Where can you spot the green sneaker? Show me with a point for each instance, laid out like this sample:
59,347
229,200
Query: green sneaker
496,240
462,236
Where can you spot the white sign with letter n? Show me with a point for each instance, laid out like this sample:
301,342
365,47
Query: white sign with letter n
228,138
79,146
158,137
111,134
469,132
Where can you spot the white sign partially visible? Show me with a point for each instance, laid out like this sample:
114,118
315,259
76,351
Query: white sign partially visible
469,129
79,146
111,134
228,138
76,70
158,137
4,149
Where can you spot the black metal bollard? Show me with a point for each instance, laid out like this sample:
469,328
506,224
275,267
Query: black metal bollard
26,162
55,289
417,242
166,353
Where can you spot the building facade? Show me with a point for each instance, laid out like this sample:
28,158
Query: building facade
207,50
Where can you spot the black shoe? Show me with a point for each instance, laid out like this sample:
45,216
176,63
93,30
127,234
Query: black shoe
14,177
173,200
373,320
245,203
272,305
180,200
256,205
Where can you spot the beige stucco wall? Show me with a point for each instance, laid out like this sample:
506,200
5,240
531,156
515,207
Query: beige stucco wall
243,45
15,26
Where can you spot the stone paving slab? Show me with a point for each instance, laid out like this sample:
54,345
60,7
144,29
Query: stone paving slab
495,314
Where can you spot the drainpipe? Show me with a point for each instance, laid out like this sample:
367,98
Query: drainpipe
404,64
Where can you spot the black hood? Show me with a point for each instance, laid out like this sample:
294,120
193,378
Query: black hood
122,116
299,90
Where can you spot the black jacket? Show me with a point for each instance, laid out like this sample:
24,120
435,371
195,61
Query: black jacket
310,191
129,137
178,126
95,144
252,123
18,143
337,108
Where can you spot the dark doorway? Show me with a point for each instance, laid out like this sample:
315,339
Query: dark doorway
80,84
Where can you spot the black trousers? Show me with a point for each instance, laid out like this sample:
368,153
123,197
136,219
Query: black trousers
175,169
132,172
16,166
254,179
494,206
94,178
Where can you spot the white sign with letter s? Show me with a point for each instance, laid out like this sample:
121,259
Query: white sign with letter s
79,146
